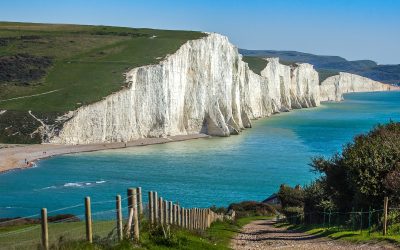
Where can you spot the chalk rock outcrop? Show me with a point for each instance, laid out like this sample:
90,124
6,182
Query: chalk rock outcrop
333,88
205,87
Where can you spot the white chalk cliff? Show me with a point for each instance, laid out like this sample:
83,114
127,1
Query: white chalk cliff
205,87
333,88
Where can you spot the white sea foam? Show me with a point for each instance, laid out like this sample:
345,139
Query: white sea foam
50,187
81,184
73,184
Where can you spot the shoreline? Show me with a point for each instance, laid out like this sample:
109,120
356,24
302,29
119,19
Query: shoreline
13,156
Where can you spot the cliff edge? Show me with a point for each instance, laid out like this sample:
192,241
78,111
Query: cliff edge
205,87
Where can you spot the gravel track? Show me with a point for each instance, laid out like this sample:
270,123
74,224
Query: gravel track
262,234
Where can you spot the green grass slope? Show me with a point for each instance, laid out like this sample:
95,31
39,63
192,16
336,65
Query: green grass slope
256,64
53,68
88,62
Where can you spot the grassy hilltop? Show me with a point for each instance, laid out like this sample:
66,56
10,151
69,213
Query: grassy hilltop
53,68
81,63
330,65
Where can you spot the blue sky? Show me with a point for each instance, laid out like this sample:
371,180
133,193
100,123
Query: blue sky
354,29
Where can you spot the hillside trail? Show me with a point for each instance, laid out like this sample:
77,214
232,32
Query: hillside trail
262,234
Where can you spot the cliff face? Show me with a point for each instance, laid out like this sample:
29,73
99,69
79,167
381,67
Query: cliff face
333,88
204,87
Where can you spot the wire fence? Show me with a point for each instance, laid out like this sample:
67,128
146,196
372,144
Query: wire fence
384,221
110,224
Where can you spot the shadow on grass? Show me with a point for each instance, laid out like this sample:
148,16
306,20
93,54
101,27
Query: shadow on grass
338,233
344,235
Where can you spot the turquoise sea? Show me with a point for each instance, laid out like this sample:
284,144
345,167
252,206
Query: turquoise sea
201,172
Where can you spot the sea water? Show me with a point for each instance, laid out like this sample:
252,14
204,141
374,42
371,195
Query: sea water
201,172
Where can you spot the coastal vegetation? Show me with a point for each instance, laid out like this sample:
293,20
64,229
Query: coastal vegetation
349,194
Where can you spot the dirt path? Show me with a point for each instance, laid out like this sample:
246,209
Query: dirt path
27,96
262,234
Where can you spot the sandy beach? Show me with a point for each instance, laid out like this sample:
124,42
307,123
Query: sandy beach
24,156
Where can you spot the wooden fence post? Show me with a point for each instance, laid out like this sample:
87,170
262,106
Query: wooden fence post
183,217
200,218
151,205
155,200
130,197
135,215
119,217
88,217
179,216
190,219
170,211
385,213
186,218
203,219
128,229
139,199
208,218
161,210
196,218
174,214
45,230
166,212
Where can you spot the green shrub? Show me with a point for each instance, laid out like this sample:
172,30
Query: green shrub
291,197
365,172
293,215
251,208
218,209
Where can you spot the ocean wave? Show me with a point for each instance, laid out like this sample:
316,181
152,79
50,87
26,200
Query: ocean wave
79,184
83,183
72,184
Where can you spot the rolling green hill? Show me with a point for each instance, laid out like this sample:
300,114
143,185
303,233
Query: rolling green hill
79,64
53,68
331,65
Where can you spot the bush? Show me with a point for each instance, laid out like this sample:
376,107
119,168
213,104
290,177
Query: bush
291,197
218,210
164,236
365,172
252,208
23,69
293,215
